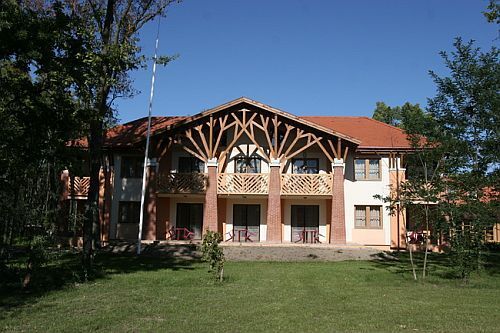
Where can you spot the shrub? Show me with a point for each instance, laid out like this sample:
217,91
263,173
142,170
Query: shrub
213,254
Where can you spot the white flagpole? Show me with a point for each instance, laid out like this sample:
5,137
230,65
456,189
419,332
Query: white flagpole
146,154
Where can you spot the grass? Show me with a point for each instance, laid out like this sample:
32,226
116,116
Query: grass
160,295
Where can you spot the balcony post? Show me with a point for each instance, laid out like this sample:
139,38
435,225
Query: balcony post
210,218
337,228
274,203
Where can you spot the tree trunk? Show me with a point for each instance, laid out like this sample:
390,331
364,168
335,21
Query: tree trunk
91,227
91,221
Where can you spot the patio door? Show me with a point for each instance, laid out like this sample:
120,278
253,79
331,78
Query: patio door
190,216
247,217
304,218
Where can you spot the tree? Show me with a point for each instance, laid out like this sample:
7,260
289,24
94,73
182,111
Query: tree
38,113
493,12
387,114
113,26
394,115
467,111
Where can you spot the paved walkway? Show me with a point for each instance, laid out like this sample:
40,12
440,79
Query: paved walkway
255,252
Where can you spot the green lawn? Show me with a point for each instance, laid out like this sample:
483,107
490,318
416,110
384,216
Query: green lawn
158,295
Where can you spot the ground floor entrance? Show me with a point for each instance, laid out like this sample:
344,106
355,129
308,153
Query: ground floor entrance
246,223
305,223
190,216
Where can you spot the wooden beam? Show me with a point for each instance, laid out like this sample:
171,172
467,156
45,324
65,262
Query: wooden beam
203,140
211,136
297,138
223,129
276,125
333,148
345,152
339,145
190,137
282,144
266,132
325,152
309,144
204,159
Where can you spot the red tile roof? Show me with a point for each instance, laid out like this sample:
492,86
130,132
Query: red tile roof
127,134
372,133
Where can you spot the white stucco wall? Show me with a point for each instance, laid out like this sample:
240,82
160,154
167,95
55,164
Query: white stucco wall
361,192
125,189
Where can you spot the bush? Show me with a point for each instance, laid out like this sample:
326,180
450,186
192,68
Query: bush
213,254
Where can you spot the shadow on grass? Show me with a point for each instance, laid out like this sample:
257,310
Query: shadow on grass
65,269
440,265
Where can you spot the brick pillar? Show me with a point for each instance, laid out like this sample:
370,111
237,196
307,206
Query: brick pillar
398,220
105,197
337,228
210,218
63,217
149,227
162,217
274,204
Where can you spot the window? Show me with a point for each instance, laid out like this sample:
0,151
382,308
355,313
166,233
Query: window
367,169
368,217
128,211
132,167
305,165
247,164
191,164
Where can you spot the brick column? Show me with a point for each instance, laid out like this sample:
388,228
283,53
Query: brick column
398,220
63,218
105,198
337,228
274,203
149,228
210,218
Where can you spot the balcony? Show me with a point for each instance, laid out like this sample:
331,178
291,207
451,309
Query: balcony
80,187
306,184
182,183
243,183
246,184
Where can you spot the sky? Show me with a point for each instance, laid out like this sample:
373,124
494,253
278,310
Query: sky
306,57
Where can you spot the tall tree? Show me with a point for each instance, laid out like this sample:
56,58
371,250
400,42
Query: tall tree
38,112
394,115
467,110
114,27
387,114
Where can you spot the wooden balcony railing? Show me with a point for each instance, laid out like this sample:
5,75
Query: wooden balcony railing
306,184
243,183
246,184
80,186
182,183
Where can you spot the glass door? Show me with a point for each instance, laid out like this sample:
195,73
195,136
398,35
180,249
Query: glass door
246,222
305,218
190,216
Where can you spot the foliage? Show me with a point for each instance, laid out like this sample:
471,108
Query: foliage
455,164
396,115
493,12
112,28
38,113
213,254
